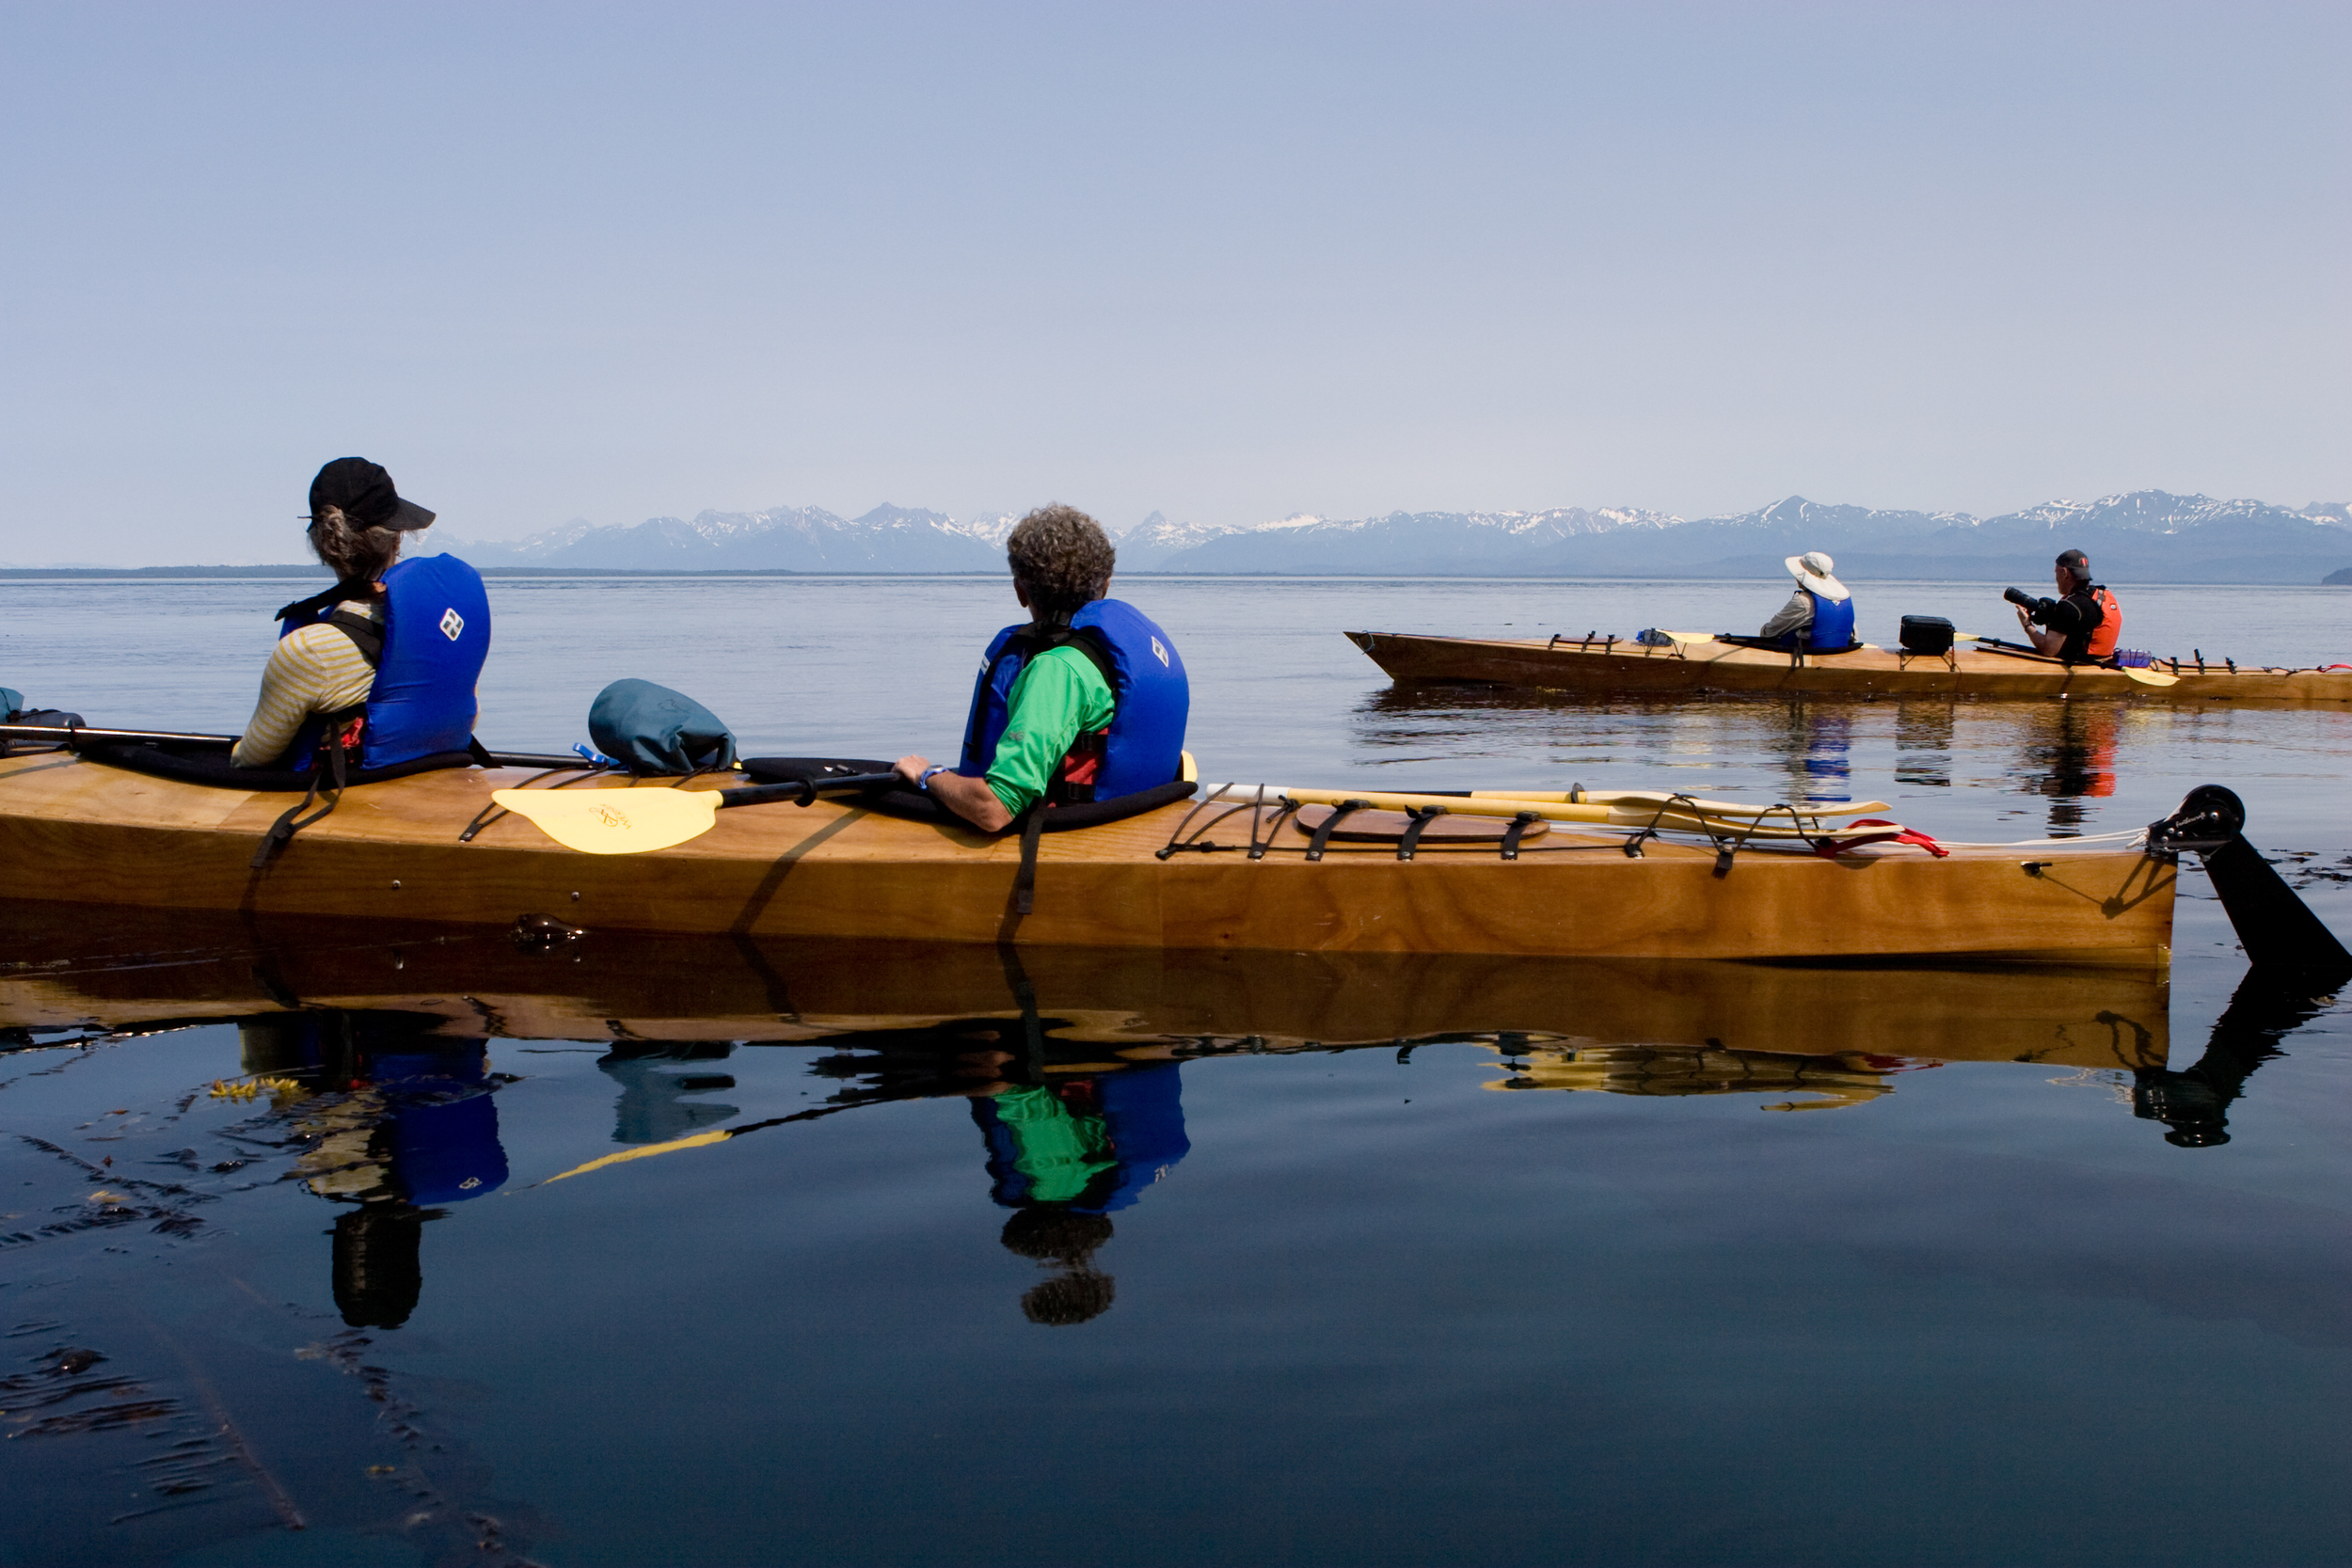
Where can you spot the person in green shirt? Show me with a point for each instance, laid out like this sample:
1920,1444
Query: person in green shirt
1097,696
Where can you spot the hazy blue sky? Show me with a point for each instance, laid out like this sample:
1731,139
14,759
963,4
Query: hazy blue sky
1229,262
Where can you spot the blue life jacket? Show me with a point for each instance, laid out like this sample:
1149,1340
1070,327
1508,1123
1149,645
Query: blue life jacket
1151,697
436,636
1833,624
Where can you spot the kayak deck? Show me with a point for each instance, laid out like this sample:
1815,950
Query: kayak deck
80,832
1619,667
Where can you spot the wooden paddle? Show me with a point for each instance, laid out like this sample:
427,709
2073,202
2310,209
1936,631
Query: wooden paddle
1639,809
2145,677
1650,800
636,822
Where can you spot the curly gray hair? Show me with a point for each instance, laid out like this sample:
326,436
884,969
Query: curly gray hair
1061,557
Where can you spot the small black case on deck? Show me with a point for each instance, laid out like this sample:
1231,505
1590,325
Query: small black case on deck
1927,634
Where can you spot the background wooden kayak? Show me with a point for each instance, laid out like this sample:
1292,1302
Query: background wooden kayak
1626,668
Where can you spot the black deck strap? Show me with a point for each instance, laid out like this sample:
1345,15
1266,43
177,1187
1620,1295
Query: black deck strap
1633,845
291,821
1322,830
1726,848
481,753
492,811
1257,812
1177,842
1422,815
1518,830
1024,880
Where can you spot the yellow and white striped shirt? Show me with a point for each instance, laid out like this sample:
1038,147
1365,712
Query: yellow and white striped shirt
315,670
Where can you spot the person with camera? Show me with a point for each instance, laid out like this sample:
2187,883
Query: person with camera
2081,626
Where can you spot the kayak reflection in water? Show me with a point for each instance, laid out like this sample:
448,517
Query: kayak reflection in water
402,1119
1065,1156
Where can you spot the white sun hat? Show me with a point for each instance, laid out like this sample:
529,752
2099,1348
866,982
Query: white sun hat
1813,570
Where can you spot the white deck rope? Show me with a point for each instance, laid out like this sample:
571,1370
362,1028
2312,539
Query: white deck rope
2127,837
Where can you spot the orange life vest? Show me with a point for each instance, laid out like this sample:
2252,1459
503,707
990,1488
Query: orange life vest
2110,626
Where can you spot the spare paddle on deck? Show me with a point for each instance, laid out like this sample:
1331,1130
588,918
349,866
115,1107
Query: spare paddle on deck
1632,809
2015,650
636,822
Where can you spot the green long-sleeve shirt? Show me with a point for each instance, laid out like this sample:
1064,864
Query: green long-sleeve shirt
1058,696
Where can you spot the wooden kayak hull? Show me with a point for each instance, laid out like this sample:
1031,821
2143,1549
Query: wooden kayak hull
80,832
1625,669
81,967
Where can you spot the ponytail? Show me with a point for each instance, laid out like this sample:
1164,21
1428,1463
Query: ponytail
353,552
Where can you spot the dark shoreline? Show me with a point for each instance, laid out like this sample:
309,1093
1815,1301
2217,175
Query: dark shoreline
199,573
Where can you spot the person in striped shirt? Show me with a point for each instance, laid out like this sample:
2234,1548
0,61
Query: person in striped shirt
356,520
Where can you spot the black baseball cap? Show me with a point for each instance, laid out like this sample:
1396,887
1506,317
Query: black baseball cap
363,492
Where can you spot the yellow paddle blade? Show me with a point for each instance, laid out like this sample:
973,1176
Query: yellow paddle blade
614,822
2150,677
1690,637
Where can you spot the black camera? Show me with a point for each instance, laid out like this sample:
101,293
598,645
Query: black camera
2036,610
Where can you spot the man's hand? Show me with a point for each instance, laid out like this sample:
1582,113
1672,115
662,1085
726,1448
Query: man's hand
970,799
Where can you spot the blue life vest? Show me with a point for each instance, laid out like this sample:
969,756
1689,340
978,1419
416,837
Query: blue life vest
1151,697
1833,624
437,634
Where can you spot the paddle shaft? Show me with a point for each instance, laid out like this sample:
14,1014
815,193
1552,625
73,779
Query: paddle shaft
90,732
800,792
72,733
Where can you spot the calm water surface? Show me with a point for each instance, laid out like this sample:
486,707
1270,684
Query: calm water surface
1198,1261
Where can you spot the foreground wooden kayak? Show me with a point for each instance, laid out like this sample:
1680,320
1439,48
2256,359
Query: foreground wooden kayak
79,830
1621,668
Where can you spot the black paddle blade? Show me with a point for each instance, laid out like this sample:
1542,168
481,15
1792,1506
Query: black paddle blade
2276,928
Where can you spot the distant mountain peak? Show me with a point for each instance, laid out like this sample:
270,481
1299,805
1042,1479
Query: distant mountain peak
2135,534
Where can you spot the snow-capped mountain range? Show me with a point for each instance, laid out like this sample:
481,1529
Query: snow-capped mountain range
2146,535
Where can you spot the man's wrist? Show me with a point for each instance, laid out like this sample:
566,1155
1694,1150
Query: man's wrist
924,782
